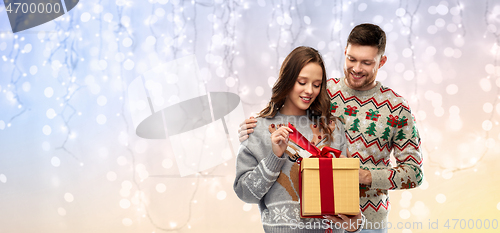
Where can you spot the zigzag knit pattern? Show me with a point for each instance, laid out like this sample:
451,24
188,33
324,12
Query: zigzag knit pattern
378,122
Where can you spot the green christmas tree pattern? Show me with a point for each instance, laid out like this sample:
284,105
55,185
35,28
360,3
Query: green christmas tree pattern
414,133
401,135
385,135
371,129
355,125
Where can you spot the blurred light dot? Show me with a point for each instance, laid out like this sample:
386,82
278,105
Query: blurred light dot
69,197
126,184
160,12
48,92
485,84
454,110
85,17
404,214
307,20
221,195
230,82
121,160
439,112
378,19
362,7
451,27
406,195
47,130
46,146
167,163
490,143
101,119
449,52
33,70
424,185
127,42
124,203
26,86
51,113
409,75
27,48
3,178
61,211
108,17
259,91
128,64
127,222
381,75
432,29
400,12
440,22
432,10
407,52
487,125
430,51
247,207
111,176
405,203
442,9
270,81
55,162
102,100
161,188
452,89
399,67
440,198
487,107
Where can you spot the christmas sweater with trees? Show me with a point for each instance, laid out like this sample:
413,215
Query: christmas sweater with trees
272,182
379,122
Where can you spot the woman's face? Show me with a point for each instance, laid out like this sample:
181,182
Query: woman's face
307,87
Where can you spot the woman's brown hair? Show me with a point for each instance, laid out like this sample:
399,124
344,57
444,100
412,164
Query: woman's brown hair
319,110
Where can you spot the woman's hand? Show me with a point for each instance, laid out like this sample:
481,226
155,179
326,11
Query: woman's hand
279,139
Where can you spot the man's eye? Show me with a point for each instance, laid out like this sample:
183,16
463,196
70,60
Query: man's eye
368,63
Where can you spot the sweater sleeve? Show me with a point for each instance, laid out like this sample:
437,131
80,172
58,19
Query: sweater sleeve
406,144
254,178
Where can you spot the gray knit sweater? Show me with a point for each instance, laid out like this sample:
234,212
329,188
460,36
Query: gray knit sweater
272,182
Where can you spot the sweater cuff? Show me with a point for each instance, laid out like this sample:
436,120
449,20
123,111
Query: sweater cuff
274,163
380,179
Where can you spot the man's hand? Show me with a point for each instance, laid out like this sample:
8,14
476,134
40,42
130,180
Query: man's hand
365,177
349,223
246,127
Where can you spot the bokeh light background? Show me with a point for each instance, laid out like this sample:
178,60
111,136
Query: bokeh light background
71,162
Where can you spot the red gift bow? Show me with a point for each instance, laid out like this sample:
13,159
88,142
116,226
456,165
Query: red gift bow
298,138
325,170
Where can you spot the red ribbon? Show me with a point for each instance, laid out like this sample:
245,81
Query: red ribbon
298,138
325,170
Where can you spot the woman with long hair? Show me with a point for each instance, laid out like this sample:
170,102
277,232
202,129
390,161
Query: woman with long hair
266,168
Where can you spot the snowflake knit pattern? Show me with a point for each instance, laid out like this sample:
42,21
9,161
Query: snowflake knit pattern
377,122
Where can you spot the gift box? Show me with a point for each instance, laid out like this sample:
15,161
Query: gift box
327,185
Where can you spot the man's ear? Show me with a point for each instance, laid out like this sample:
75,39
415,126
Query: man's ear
382,61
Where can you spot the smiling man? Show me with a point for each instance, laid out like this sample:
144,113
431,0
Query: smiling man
378,122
